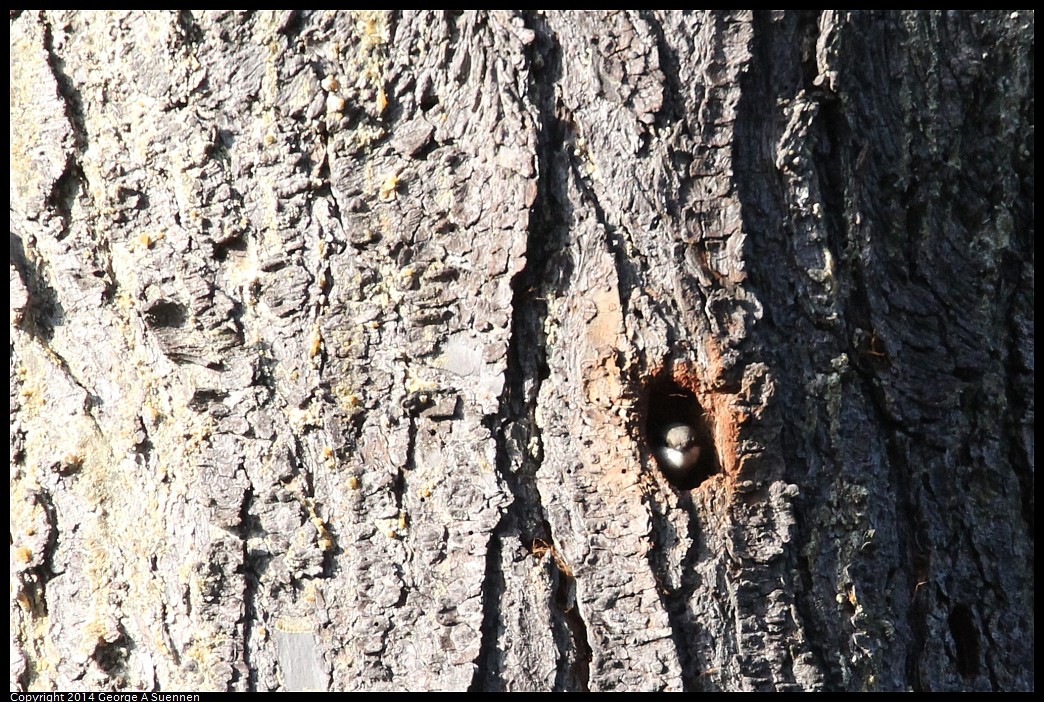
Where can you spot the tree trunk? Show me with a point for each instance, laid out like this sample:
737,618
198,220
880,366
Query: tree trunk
344,347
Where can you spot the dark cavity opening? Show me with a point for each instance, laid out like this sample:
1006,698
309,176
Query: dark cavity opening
669,403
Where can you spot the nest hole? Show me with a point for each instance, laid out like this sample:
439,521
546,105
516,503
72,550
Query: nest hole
668,403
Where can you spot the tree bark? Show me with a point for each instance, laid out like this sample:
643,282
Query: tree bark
343,344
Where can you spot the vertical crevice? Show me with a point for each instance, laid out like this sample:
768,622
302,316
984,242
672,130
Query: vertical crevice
685,629
519,447
1018,373
251,572
514,427
489,664
917,550
574,656
966,640
69,185
545,276
67,90
1019,365
673,94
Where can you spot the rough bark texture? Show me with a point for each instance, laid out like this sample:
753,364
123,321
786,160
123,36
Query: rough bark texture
337,342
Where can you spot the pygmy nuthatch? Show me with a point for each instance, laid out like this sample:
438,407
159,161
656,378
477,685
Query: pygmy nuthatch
677,450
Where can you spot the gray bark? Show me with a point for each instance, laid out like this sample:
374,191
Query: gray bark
340,343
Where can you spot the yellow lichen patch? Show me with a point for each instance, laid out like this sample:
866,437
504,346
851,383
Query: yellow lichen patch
207,649
312,593
373,27
368,64
147,239
415,384
334,103
293,625
346,387
389,188
102,626
151,415
23,601
407,276
315,343
396,527
382,101
324,540
301,418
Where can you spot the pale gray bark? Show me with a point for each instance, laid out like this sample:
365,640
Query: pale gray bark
337,341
